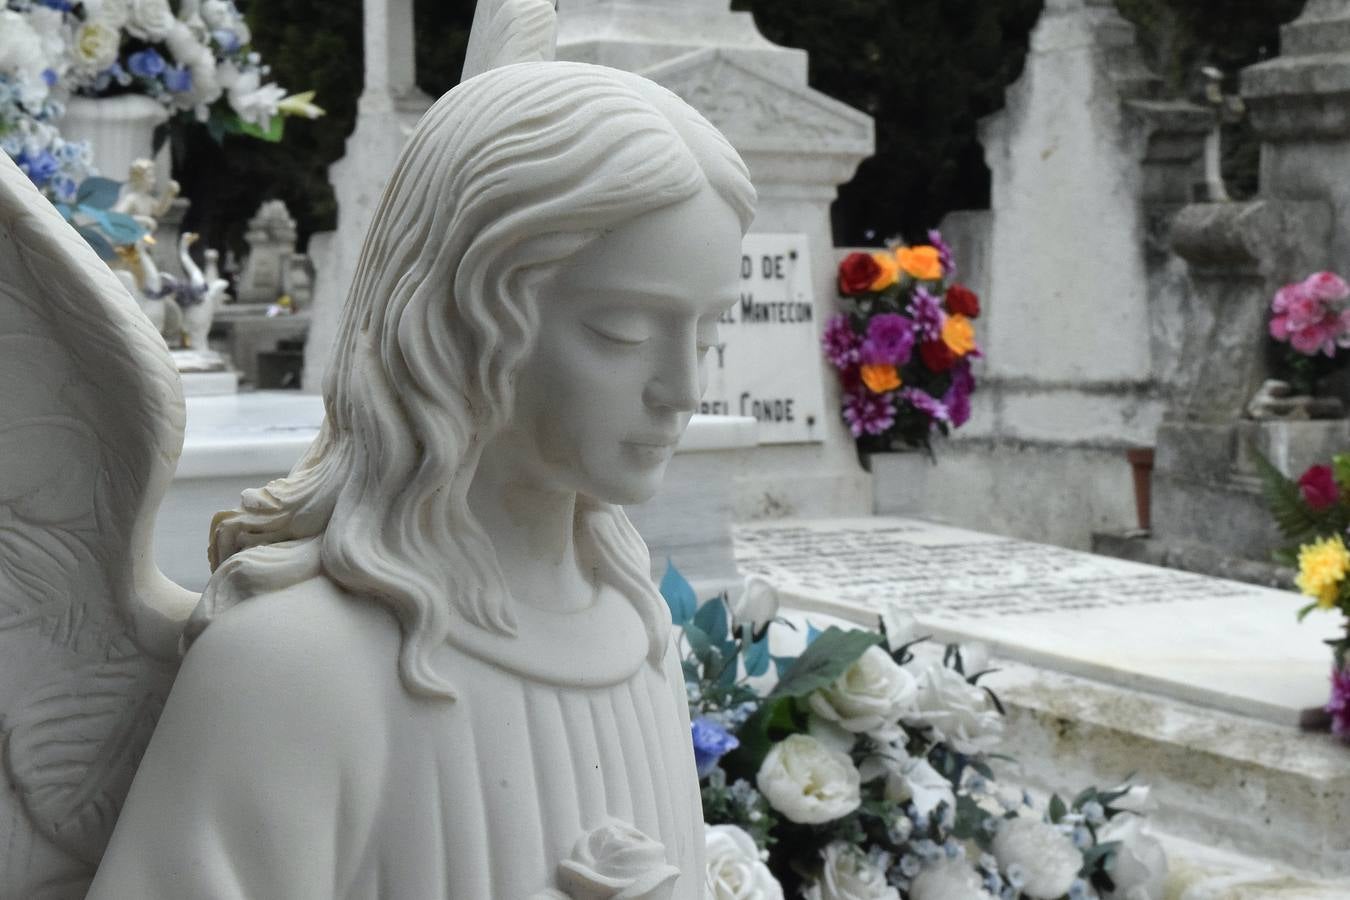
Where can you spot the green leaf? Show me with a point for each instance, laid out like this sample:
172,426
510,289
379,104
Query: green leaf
679,595
772,722
757,657
698,642
1295,519
1057,810
100,193
712,618
1340,469
272,133
825,660
1303,612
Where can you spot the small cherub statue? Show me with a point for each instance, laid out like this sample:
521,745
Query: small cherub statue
430,662
138,198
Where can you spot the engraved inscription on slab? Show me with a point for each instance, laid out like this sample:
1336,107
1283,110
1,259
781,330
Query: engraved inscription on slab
942,573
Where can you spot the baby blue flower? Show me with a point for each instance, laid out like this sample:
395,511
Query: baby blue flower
1079,890
178,79
1082,838
910,865
38,167
146,63
49,77
227,40
1016,876
65,189
711,743
1094,812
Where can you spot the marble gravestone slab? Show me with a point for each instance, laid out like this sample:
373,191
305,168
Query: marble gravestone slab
1209,641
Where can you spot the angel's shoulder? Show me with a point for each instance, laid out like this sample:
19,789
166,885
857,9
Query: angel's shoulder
311,647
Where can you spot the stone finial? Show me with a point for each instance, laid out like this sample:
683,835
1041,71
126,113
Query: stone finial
271,239
1305,91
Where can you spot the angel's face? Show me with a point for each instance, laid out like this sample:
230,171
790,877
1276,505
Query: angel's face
619,364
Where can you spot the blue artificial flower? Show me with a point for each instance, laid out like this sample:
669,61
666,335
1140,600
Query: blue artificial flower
64,6
39,168
178,79
146,63
1016,876
711,743
227,40
65,188
49,77
1079,890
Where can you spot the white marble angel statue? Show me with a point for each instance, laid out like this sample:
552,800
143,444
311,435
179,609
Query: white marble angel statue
430,662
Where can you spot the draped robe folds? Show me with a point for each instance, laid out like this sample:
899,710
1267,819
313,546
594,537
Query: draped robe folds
290,762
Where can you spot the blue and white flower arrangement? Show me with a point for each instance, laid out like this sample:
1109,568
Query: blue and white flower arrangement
859,770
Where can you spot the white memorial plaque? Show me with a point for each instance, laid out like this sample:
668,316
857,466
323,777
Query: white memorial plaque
1224,644
766,362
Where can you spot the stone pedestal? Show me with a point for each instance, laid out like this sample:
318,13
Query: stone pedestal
799,145
389,107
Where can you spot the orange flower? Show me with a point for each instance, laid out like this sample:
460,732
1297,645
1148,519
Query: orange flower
890,271
922,262
958,334
880,378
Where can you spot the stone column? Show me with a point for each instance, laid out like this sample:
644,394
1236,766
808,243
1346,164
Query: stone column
389,106
799,144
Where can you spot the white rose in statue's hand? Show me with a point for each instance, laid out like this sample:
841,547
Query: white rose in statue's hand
948,879
149,20
614,861
735,870
870,696
807,782
960,713
847,874
1139,867
1047,856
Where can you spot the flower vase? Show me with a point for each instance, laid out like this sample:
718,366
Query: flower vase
120,130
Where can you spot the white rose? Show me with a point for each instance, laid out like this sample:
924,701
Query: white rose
218,14
919,782
960,713
149,20
735,870
901,626
758,603
1139,867
20,46
1047,856
870,696
807,782
50,27
113,13
96,45
948,879
849,875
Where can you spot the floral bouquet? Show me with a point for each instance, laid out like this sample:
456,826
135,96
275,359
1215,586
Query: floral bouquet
853,771
1313,513
903,346
1312,318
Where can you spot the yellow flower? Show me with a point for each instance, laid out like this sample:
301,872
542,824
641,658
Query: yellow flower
922,262
890,271
958,334
880,378
300,105
1322,566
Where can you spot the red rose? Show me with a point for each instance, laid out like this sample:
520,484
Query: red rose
961,299
1318,487
857,272
937,356
850,378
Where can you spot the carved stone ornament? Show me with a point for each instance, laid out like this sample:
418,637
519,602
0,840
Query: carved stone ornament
431,661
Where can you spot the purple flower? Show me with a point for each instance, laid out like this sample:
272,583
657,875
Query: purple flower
840,342
957,398
178,79
926,403
944,250
926,311
711,743
1339,704
868,413
146,64
890,340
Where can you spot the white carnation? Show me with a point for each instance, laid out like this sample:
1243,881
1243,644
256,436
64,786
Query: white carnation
960,713
149,20
735,869
948,879
869,696
1139,866
807,782
847,874
1048,857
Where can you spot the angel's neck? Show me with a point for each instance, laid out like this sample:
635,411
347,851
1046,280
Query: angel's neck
532,533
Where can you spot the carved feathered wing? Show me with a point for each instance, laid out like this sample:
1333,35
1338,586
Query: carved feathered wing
91,426
510,31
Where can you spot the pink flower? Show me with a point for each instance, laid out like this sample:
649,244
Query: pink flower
1308,314
840,342
1326,286
1339,704
1318,487
868,413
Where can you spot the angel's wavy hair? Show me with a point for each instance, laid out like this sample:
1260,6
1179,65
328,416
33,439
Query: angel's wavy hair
507,175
